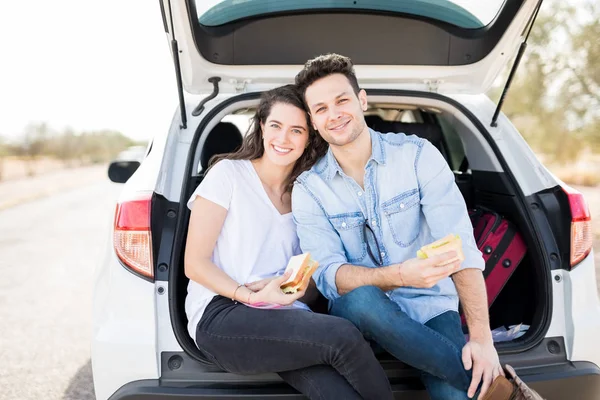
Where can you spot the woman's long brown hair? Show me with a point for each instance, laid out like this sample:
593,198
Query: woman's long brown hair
253,147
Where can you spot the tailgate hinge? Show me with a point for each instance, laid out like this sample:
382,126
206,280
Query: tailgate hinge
433,86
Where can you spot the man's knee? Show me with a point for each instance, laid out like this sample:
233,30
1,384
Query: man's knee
362,297
362,305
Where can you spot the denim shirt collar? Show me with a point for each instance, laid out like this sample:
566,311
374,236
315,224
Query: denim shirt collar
377,154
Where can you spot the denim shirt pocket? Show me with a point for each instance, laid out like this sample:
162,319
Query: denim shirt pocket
350,227
403,215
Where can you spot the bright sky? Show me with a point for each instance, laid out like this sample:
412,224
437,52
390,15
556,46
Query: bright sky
84,64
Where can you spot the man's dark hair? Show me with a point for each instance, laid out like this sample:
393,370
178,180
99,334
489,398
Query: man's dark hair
323,66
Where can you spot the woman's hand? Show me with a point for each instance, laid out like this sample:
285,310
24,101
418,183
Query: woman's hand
259,285
272,293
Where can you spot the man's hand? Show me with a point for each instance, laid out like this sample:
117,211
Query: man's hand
421,273
483,358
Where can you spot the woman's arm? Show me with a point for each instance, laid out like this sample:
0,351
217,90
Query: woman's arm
206,222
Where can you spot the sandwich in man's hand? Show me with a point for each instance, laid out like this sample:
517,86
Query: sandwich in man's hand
302,269
447,243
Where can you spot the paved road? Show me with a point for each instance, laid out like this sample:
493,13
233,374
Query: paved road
49,249
19,191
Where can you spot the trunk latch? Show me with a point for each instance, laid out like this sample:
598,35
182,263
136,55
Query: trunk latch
433,86
240,86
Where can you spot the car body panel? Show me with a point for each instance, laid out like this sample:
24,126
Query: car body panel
583,311
471,78
124,332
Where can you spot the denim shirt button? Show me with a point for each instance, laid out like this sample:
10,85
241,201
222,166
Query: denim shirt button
374,223
360,193
401,205
343,224
382,254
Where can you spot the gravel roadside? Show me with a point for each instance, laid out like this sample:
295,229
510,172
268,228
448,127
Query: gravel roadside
15,192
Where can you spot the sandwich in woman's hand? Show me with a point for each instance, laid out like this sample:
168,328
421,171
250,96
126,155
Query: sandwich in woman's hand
302,267
449,243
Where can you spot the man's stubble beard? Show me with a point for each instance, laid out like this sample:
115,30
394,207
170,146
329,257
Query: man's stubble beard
353,136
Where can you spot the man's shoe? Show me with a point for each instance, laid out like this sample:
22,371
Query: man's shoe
523,392
512,388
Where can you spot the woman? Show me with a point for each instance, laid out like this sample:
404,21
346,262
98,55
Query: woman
240,238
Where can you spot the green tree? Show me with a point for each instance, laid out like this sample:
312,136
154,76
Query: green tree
554,99
66,146
4,151
581,89
104,145
34,143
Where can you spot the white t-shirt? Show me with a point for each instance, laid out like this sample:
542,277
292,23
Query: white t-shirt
256,241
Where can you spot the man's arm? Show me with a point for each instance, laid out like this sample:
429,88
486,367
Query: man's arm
350,277
414,273
335,277
320,238
470,286
445,211
480,353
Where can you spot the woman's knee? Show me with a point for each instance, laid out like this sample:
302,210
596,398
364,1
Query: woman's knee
347,340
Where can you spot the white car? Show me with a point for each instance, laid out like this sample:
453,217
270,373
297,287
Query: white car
425,66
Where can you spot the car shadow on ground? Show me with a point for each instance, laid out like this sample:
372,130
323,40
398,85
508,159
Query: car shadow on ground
81,386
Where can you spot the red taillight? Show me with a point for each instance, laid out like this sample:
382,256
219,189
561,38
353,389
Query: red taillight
132,239
581,226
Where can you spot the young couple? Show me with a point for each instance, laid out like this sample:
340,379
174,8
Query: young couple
312,177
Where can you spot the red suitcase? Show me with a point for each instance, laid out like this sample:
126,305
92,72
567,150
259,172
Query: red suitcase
502,247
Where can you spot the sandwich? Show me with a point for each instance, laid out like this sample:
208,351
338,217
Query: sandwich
448,243
302,267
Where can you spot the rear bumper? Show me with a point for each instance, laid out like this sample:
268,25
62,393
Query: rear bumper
152,390
578,380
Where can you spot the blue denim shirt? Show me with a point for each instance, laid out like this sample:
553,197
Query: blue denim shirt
409,200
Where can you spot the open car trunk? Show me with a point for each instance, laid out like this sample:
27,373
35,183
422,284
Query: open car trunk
526,298
456,45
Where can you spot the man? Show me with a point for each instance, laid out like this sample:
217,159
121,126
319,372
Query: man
363,211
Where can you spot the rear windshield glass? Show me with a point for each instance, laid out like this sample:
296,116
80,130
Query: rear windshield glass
471,14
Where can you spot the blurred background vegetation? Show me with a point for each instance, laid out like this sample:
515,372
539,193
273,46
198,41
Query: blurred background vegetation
554,99
40,148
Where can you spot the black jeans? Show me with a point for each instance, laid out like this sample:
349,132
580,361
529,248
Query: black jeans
322,356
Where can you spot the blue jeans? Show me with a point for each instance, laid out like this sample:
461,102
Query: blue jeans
435,347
